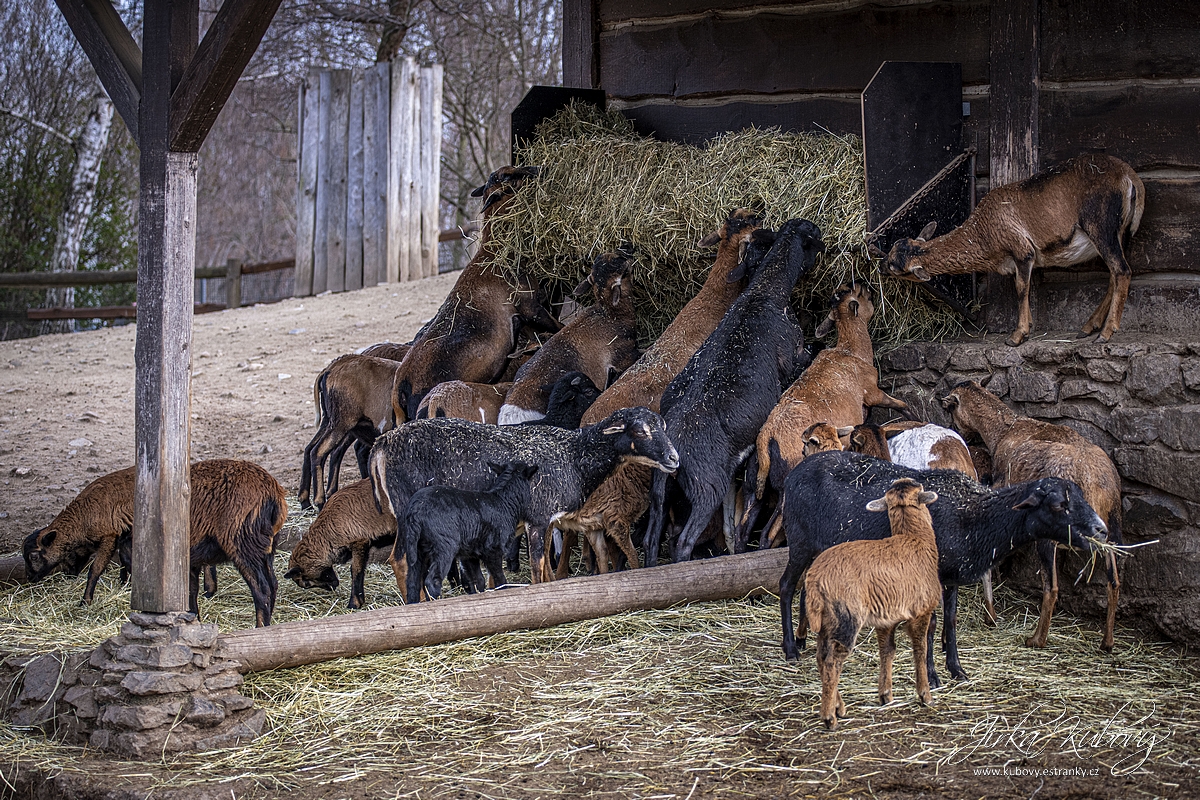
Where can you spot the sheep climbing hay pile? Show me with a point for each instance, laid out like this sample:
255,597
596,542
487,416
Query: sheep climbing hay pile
602,184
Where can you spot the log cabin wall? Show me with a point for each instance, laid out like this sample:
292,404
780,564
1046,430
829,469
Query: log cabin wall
1117,76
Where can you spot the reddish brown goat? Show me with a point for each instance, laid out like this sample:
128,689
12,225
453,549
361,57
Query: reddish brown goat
597,340
1064,215
1025,449
877,583
477,402
644,382
474,331
236,512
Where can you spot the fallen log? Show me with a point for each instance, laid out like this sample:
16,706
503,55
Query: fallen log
292,644
12,570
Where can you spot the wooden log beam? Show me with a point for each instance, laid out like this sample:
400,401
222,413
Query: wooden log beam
544,605
214,70
113,53
12,570
107,312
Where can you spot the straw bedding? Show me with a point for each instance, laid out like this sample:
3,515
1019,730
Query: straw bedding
603,184
641,704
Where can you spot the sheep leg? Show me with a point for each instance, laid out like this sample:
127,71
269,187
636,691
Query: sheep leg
729,519
210,581
878,398
362,454
335,464
570,539
625,544
1048,554
887,653
593,543
1022,277
472,576
918,630
495,568
950,632
539,565
259,576
934,681
654,528
831,657
104,554
787,592
989,603
513,554
194,590
358,573
1108,243
702,512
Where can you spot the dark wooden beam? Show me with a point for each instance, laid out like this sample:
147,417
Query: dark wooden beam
1015,77
185,37
162,391
215,68
112,51
579,44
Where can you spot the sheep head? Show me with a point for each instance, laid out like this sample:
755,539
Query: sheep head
45,553
739,224
502,185
903,492
607,277
1056,510
311,575
640,435
851,301
904,261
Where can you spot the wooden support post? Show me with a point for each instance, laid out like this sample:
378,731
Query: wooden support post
376,94
544,605
403,113
354,186
579,44
163,352
338,151
233,283
429,185
1013,128
113,53
306,191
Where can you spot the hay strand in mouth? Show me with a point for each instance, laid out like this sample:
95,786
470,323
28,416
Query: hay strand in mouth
603,184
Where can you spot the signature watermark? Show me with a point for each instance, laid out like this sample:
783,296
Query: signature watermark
1130,741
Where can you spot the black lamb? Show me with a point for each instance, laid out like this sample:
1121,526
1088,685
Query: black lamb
716,406
572,464
442,523
824,504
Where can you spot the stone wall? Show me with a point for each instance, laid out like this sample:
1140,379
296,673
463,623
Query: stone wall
1138,398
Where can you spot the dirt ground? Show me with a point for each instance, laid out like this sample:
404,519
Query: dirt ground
66,401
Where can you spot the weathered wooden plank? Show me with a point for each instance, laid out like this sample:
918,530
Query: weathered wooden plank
775,52
306,191
431,168
113,52
292,644
375,159
616,12
579,43
226,49
1013,123
325,175
233,283
338,187
1169,236
1108,39
108,312
12,570
1159,304
403,113
354,187
1147,125
695,123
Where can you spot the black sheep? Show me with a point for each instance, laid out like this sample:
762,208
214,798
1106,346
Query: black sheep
716,406
442,523
570,396
824,504
572,464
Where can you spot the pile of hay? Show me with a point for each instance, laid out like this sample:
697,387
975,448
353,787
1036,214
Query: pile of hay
603,184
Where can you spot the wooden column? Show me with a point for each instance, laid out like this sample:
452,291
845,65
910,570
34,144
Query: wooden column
430,167
579,44
163,353
1015,77
306,189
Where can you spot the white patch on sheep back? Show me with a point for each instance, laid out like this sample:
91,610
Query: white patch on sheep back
514,415
914,448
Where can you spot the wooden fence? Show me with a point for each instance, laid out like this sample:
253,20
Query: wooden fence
367,200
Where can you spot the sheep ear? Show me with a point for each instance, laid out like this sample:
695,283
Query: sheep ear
583,288
48,538
892,433
877,505
616,292
845,431
496,468
927,231
292,574
1033,501
613,430
919,273
737,273
530,470
925,498
712,240
478,191
826,327
950,402
853,307
527,172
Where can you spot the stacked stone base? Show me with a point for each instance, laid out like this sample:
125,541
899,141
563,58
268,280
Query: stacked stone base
1138,398
154,689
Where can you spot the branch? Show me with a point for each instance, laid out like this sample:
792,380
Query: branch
38,124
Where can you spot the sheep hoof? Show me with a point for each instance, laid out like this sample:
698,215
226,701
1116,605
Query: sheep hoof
830,723
884,699
1101,339
209,595
925,699
1014,340
1106,647
1034,641
958,675
791,655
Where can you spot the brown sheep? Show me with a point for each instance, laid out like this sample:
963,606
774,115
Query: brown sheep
607,516
1064,215
388,350
821,436
1026,449
236,512
834,389
644,382
877,583
475,330
599,339
353,400
477,402
347,528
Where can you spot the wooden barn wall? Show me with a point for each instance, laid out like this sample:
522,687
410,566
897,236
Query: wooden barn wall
1118,76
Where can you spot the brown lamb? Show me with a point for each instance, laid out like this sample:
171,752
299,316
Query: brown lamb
876,583
476,402
1025,449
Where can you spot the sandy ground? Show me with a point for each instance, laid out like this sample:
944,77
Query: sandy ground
66,400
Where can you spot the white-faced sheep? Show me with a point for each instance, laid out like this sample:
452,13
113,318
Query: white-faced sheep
1064,215
878,584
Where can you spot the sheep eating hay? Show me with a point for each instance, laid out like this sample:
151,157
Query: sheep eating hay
601,184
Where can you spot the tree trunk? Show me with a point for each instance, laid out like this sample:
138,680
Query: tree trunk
77,210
